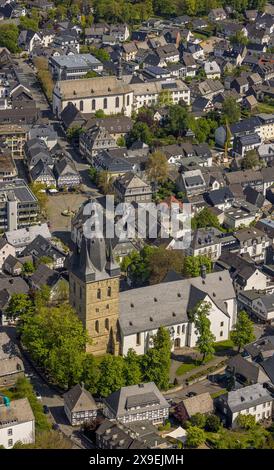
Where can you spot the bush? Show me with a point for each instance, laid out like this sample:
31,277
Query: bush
212,423
198,420
195,437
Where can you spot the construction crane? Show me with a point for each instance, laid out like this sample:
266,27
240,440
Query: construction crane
6,400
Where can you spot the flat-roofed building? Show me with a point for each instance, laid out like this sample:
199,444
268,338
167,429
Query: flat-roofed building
71,67
18,206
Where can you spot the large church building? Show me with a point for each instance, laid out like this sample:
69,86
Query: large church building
118,321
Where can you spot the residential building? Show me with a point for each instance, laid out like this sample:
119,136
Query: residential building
9,286
42,173
217,14
8,170
192,182
245,143
66,173
41,248
205,242
17,423
79,405
142,402
258,304
46,133
20,238
221,198
14,138
11,365
18,206
254,400
72,67
188,407
254,242
94,140
131,188
212,70
5,250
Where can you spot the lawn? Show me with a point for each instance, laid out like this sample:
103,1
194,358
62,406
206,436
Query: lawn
265,108
222,346
183,368
187,366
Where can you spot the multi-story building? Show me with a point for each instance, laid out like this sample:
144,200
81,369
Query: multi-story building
254,400
206,242
254,242
130,187
79,405
72,67
16,422
14,137
137,403
94,140
18,206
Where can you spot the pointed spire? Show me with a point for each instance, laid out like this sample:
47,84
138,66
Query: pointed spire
85,265
111,266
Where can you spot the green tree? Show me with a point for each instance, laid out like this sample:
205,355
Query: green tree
56,340
198,420
231,110
29,23
24,389
9,34
205,340
28,267
195,437
243,332
250,160
132,369
100,54
239,38
19,304
104,182
246,421
156,363
111,375
193,264
91,373
140,131
121,141
157,167
161,261
212,423
178,120
205,218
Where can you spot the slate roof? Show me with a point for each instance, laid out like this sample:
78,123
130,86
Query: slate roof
170,305
219,196
79,399
141,395
19,411
201,403
247,397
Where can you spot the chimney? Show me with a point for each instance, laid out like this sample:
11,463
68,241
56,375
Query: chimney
203,271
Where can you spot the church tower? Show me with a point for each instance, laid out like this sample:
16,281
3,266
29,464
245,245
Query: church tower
94,293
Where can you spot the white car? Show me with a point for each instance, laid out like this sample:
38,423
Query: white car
38,396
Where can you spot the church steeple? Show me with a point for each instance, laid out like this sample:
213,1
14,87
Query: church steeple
111,266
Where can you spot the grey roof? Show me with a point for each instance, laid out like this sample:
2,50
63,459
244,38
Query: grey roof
19,411
219,196
24,236
261,345
250,370
268,366
170,303
75,61
247,397
16,190
40,246
201,403
44,276
14,285
141,395
79,399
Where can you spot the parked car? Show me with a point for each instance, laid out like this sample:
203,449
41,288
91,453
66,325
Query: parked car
46,409
191,394
38,396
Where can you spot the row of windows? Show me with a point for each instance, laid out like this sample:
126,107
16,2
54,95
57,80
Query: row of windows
105,103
